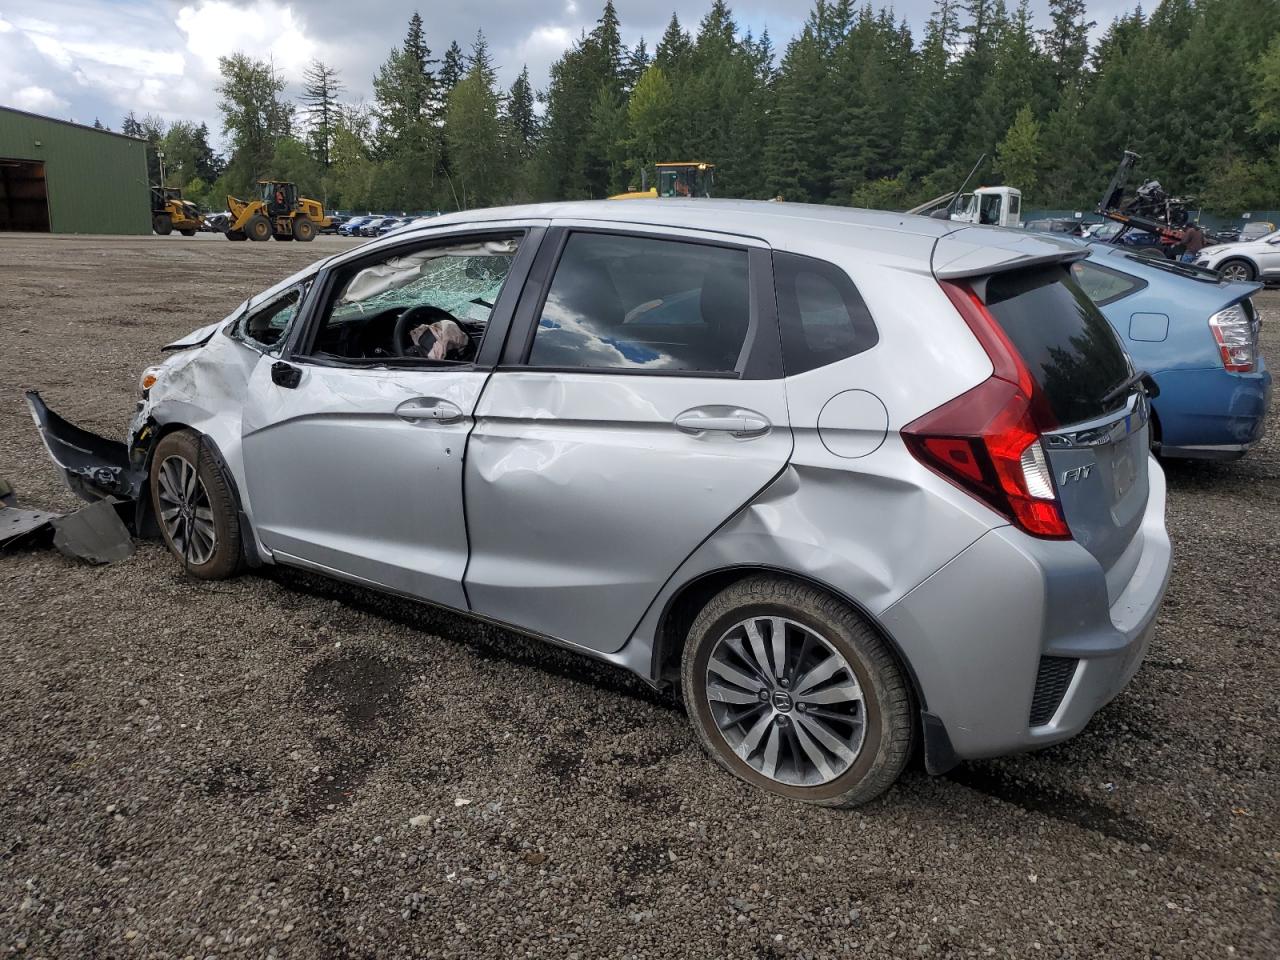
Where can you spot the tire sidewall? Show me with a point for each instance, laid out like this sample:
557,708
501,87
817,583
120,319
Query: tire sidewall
875,740
225,560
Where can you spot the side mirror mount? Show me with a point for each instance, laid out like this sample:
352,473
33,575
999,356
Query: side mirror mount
285,375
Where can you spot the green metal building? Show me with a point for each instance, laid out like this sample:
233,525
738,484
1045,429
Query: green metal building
62,177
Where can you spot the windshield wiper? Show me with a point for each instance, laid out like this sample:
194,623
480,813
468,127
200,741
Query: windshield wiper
1149,386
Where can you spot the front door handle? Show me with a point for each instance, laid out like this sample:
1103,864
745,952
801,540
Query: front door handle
429,410
740,423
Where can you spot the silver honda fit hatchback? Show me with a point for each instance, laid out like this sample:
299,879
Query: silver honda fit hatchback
850,481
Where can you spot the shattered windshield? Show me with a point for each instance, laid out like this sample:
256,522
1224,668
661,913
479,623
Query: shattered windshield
463,280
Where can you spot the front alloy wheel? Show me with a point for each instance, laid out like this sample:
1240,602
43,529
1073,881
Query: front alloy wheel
185,512
194,505
1236,270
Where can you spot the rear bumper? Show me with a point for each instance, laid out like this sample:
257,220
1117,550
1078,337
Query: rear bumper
1212,414
975,632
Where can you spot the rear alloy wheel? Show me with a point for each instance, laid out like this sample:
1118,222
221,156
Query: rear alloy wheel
793,691
194,506
162,224
1236,270
304,229
258,228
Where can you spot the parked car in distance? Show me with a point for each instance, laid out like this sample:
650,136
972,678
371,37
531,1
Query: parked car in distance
1139,241
1256,230
394,223
352,227
1073,228
1245,260
336,220
1197,335
704,442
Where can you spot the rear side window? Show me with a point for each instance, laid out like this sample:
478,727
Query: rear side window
640,303
1102,285
1067,345
822,315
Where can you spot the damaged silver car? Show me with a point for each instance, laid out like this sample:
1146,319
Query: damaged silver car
850,481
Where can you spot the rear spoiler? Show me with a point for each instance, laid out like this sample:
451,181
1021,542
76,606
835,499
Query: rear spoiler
980,251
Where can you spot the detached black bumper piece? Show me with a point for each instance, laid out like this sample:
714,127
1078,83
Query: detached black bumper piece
95,468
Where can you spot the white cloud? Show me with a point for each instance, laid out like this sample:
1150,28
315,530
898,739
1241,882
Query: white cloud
218,28
37,100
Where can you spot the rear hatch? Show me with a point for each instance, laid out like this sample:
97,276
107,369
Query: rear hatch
1098,454
1096,440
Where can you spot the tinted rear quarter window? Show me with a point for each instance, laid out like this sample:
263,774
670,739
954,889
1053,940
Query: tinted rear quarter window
1067,345
822,315
1104,286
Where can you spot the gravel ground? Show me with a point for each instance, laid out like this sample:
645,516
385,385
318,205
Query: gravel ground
283,766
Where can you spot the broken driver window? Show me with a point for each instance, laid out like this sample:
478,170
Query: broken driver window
265,326
431,304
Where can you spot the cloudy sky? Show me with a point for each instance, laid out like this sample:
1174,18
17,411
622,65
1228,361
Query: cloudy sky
87,59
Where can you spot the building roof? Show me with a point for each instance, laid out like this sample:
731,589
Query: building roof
71,123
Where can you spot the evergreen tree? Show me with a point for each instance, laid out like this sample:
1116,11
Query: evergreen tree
674,49
520,119
1066,42
320,91
1018,155
407,108
452,68
477,171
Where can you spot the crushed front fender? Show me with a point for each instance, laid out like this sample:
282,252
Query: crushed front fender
94,467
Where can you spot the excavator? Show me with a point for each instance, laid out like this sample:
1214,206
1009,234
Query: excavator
690,179
169,212
277,212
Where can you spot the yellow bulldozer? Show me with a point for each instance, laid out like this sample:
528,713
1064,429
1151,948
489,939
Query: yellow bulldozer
690,179
277,212
169,212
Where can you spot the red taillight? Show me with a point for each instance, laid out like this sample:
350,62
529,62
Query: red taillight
987,441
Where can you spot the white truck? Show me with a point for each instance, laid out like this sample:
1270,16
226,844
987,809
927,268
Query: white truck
996,206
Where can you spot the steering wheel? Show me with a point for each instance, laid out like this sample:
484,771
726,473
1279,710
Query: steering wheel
414,316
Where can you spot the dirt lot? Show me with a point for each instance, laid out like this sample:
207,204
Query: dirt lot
282,766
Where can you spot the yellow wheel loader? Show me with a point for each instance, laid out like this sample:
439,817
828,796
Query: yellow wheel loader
169,212
277,212
692,179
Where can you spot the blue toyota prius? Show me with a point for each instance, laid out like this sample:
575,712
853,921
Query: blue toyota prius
1197,336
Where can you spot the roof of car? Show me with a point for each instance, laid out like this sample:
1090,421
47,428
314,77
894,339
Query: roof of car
968,250
758,218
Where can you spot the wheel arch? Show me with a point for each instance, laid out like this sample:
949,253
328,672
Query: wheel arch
145,521
683,605
1239,258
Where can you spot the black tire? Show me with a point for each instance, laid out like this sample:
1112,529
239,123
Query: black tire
162,224
190,232
304,229
236,235
1243,267
888,712
225,558
258,228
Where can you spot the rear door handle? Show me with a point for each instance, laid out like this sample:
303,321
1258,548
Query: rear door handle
429,410
740,423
